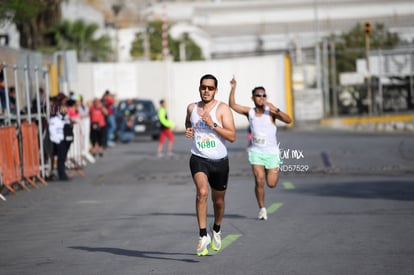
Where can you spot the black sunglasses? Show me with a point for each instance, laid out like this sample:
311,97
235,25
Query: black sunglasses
204,87
260,95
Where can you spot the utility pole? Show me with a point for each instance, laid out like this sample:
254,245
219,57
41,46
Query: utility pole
318,57
116,8
165,50
333,77
146,42
367,29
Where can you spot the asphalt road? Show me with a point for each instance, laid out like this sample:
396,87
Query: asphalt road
344,205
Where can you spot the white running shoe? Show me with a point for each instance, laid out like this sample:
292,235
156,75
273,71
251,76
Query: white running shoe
215,239
262,214
203,242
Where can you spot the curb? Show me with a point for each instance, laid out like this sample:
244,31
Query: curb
386,123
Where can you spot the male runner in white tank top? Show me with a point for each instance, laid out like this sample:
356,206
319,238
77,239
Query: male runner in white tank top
264,154
210,124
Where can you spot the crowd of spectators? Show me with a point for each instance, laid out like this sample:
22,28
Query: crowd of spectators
95,120
98,120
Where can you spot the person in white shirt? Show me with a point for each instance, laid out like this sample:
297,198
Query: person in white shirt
210,124
61,135
264,156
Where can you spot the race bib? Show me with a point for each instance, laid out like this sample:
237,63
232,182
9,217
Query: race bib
259,139
205,142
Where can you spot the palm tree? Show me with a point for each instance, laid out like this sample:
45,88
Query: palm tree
80,36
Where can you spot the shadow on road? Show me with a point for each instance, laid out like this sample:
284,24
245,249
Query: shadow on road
389,190
136,253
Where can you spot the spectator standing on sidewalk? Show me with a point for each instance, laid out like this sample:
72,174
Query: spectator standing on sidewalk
72,110
166,130
61,135
97,134
264,156
109,103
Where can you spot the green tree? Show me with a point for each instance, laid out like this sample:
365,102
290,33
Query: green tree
154,31
32,18
79,36
350,46
192,50
137,47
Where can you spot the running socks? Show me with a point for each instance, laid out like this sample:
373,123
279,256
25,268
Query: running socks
216,228
203,231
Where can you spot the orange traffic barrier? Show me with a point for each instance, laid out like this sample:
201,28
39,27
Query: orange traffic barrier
10,170
31,156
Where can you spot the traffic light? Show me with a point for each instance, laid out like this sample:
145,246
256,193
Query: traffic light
367,27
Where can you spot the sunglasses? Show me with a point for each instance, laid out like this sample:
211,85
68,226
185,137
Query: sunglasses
260,95
204,87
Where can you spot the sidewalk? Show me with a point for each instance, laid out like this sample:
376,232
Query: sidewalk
384,123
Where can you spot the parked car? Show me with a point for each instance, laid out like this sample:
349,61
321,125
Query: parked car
146,122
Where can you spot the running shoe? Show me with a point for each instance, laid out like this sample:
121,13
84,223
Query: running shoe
216,239
262,214
203,242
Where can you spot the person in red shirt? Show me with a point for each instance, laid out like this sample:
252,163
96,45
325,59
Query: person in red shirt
97,114
73,112
109,103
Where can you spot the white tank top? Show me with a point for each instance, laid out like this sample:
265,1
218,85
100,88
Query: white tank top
264,139
206,142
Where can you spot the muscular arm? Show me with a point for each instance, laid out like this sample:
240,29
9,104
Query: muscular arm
189,131
279,114
225,117
244,110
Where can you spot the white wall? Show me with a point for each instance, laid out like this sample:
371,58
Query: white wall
74,10
178,82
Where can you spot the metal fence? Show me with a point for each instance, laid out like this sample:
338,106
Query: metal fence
25,111
350,87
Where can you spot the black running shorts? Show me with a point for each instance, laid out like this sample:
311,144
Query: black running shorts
217,171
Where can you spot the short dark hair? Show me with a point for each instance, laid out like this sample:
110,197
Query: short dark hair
71,102
162,101
258,88
209,76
